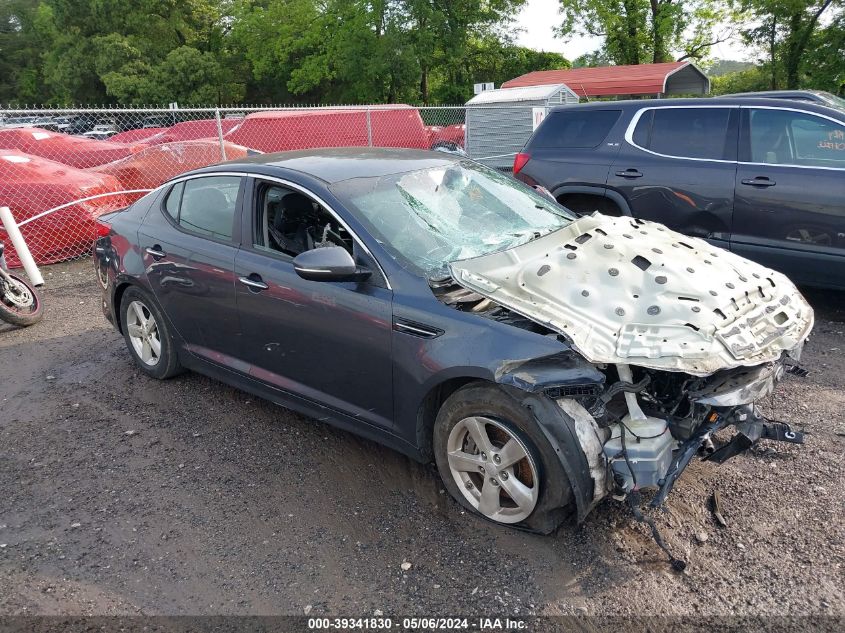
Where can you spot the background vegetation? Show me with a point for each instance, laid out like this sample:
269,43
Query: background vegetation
355,51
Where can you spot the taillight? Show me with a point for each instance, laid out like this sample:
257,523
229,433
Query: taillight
103,229
519,162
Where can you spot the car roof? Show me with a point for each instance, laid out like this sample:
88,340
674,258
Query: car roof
342,163
777,94
637,104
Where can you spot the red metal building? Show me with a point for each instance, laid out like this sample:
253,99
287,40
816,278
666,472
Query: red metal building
606,81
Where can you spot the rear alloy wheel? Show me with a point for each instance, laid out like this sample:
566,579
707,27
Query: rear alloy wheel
495,460
147,336
143,333
493,469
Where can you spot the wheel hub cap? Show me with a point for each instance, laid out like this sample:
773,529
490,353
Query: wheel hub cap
493,469
143,333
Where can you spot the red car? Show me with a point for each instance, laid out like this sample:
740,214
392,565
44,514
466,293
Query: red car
377,126
71,150
31,185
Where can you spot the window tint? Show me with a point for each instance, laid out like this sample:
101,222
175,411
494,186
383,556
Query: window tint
642,133
784,137
690,132
208,205
575,129
173,200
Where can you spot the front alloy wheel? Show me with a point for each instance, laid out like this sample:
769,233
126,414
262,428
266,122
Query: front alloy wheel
495,459
493,469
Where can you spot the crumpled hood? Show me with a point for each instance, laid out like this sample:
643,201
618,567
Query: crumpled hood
628,291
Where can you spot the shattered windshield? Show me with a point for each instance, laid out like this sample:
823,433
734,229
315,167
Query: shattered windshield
431,217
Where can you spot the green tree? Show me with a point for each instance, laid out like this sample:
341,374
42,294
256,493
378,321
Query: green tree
784,30
747,80
825,67
647,31
368,50
20,53
107,50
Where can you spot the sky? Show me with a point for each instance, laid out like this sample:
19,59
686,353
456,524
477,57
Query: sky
538,17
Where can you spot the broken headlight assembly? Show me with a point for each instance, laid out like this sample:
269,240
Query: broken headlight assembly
653,423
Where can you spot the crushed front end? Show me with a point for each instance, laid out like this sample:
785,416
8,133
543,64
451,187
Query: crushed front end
687,336
654,422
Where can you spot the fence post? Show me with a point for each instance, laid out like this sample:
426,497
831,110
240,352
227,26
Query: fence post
220,134
22,249
369,128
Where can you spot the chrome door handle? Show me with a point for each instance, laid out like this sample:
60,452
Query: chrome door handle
253,283
630,173
759,181
156,251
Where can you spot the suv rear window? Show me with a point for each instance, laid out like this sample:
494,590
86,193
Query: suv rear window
685,132
575,129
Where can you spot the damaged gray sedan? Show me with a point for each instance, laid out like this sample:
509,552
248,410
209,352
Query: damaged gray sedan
544,361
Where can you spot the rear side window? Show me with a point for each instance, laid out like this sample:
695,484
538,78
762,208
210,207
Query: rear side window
685,132
786,137
174,198
205,205
575,129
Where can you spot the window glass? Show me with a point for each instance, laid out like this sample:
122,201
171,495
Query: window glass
173,200
783,137
642,133
690,132
431,217
208,206
575,129
290,222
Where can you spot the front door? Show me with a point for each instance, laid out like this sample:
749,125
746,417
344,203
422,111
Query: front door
677,167
327,341
790,194
188,244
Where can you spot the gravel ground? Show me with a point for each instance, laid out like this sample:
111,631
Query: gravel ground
124,495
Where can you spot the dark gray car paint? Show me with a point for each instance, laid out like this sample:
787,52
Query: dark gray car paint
352,367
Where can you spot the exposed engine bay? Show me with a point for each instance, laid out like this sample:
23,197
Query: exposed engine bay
640,418
675,358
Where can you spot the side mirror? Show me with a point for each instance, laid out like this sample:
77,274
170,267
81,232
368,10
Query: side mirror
329,263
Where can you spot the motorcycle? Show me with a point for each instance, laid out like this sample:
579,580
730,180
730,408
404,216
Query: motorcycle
20,304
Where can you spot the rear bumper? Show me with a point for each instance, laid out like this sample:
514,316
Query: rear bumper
104,270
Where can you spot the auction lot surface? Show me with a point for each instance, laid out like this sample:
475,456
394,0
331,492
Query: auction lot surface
124,495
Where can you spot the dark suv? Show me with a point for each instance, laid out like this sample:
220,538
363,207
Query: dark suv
764,178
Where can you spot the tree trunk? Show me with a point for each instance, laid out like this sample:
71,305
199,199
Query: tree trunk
658,39
773,52
631,45
792,58
796,43
424,85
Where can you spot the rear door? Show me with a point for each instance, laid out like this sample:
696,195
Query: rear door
677,167
790,194
188,245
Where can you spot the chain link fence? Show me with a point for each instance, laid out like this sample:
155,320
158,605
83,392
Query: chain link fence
60,169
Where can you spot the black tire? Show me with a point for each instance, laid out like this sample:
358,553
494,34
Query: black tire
555,500
167,363
21,315
586,204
